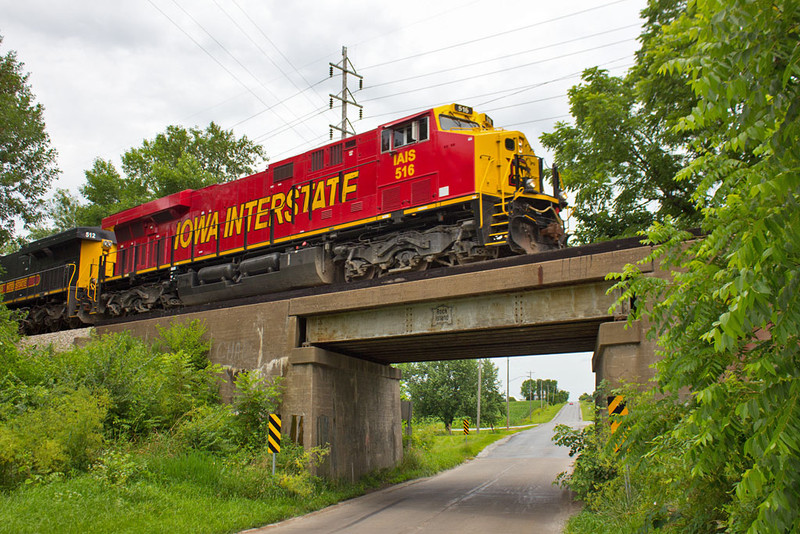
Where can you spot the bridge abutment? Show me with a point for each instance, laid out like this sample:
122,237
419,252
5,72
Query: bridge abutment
623,354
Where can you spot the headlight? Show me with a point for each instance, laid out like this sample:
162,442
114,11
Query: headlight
530,185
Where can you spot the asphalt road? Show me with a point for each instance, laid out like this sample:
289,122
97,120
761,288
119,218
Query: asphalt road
507,488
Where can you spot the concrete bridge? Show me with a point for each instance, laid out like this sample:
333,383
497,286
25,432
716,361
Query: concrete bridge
335,349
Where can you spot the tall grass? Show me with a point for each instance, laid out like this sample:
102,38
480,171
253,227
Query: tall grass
588,409
199,492
527,413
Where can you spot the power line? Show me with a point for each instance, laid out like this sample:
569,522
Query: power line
372,86
554,97
440,13
450,47
573,75
242,65
218,104
280,129
560,17
294,149
209,54
277,49
279,103
264,53
487,74
538,120
512,91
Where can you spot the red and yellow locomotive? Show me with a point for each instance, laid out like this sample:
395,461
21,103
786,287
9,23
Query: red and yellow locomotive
440,187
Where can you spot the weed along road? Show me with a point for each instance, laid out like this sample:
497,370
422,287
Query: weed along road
507,488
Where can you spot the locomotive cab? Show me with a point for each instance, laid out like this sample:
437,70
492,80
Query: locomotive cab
55,279
515,209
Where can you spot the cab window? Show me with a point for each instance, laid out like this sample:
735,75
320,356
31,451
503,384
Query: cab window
404,134
449,122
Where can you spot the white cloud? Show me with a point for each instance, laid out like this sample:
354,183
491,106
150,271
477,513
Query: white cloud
112,74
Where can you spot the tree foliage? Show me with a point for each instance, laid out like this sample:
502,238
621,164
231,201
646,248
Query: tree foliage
728,316
621,156
181,159
543,389
174,160
27,163
447,389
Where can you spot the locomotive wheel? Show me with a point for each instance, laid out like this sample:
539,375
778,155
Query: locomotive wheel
477,253
358,269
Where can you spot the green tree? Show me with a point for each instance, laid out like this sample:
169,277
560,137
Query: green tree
621,156
446,389
181,159
27,163
107,192
728,316
175,160
529,389
493,402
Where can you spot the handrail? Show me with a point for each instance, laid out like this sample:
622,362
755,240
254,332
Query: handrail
502,188
72,278
44,277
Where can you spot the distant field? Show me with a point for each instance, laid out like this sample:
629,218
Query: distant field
521,412
520,415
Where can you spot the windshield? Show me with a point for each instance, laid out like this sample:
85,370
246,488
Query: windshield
451,123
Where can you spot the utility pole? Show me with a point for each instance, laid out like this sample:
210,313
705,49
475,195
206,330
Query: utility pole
508,413
530,391
480,369
541,390
346,96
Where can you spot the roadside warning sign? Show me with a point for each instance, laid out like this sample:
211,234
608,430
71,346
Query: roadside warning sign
616,407
274,437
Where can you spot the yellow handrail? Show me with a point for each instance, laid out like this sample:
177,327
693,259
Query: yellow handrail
72,278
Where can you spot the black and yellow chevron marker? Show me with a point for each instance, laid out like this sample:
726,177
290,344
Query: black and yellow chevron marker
274,437
466,427
616,407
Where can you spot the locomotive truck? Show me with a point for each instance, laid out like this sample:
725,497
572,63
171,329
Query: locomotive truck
438,188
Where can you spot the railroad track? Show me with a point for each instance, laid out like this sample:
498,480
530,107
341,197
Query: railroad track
571,252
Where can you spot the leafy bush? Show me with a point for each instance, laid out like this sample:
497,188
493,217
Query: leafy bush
208,428
116,467
297,464
254,398
636,479
62,435
148,390
52,403
185,337
296,459
59,410
593,467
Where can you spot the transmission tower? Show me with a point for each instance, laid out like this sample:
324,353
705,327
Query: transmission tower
346,96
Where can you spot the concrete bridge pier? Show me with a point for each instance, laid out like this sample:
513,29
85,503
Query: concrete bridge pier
623,354
350,405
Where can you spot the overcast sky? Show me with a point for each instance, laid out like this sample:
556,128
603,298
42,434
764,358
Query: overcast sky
111,74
